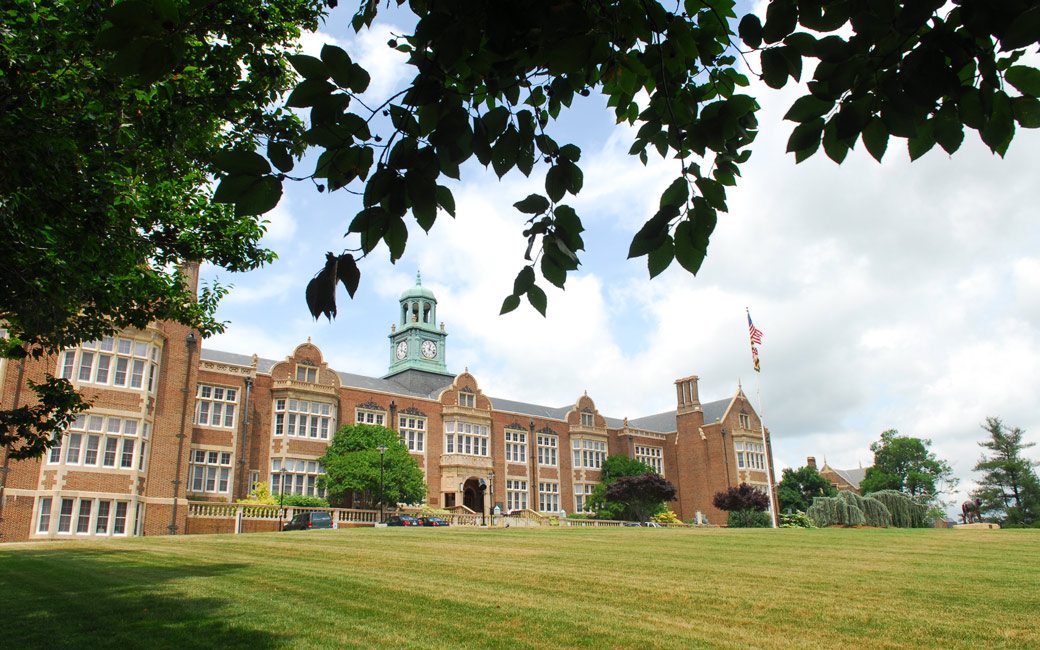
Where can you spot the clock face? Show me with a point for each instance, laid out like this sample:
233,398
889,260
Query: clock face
402,350
429,349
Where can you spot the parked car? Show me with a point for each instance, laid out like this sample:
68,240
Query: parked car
309,521
402,520
651,524
433,521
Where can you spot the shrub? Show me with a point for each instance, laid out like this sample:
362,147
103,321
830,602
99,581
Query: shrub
798,519
666,517
302,501
749,519
905,512
835,511
261,496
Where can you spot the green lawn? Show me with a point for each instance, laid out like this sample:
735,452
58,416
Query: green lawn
528,588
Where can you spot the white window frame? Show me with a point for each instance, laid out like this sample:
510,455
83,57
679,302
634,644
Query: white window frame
216,407
117,362
305,419
548,496
516,446
588,419
516,495
306,373
548,447
105,441
412,431
745,421
466,438
589,453
301,476
80,516
581,496
370,416
652,456
210,471
467,399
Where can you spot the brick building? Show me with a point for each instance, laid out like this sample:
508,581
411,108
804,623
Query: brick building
174,422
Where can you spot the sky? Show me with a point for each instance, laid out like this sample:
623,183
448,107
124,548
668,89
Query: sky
891,296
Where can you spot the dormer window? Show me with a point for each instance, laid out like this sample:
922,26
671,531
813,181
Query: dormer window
587,419
745,421
306,373
467,399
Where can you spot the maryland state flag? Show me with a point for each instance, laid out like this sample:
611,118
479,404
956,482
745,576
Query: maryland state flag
756,340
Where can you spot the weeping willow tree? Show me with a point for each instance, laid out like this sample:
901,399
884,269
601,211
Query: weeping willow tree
906,513
849,509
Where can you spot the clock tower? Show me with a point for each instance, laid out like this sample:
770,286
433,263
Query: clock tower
416,343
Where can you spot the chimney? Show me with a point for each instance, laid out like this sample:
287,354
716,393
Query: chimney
190,269
686,394
811,461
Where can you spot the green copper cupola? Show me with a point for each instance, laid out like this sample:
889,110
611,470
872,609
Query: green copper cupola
416,342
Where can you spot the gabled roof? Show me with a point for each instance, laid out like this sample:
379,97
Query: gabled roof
851,476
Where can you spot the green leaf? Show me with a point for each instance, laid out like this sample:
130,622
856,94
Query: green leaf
552,272
308,92
537,298
1023,31
750,30
504,153
524,280
570,152
278,153
677,193
240,161
689,255
1000,128
338,62
309,66
805,138
781,19
807,108
1025,79
396,236
835,148
948,129
921,143
556,182
1027,112
445,200
509,304
660,258
875,138
422,194
253,194
533,204
713,192
359,78
774,68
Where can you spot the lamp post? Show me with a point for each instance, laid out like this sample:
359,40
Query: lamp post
382,451
281,499
491,487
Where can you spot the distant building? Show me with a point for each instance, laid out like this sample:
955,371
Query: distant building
174,422
843,479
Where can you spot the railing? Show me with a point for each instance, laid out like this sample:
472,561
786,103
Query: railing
252,511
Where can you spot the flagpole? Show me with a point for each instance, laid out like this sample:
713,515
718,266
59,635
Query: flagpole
761,417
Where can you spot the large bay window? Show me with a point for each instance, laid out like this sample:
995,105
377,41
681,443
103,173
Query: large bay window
750,455
589,453
210,471
82,516
652,456
120,362
102,441
215,406
301,476
303,419
465,438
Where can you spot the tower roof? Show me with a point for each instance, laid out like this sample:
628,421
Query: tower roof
418,291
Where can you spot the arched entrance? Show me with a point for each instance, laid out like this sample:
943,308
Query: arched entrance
473,494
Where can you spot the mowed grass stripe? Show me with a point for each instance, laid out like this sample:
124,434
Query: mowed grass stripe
531,588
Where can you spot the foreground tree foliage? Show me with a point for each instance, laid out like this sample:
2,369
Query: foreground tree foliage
643,496
113,116
904,464
746,506
797,488
352,464
1009,488
614,468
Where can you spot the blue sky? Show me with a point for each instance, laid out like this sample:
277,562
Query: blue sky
891,295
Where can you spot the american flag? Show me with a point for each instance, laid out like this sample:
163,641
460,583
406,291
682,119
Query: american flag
756,334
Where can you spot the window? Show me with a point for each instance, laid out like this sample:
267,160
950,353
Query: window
368,416
589,453
465,438
652,456
467,399
43,523
581,495
745,421
303,419
112,361
92,517
97,440
306,373
210,470
750,455
215,406
516,495
301,476
413,432
548,497
516,447
547,450
588,420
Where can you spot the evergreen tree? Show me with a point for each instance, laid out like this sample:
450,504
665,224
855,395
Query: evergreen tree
797,488
1009,488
